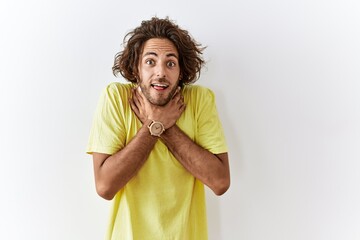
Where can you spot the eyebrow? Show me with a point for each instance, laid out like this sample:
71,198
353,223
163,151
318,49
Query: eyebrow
155,54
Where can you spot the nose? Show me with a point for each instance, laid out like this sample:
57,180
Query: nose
161,71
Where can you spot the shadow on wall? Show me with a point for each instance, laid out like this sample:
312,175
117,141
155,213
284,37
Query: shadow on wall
213,215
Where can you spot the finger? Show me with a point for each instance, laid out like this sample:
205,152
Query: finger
140,96
177,97
176,92
133,106
134,102
136,99
133,93
139,92
182,108
179,100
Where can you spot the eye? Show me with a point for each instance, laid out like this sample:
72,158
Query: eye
149,62
171,64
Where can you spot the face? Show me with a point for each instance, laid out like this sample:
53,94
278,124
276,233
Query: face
159,70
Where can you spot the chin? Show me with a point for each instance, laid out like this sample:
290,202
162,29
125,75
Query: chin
160,101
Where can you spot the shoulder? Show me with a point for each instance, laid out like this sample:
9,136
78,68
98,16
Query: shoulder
116,93
118,88
197,92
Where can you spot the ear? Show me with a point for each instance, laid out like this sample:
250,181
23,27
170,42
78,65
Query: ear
135,75
136,78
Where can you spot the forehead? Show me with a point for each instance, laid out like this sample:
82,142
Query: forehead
159,45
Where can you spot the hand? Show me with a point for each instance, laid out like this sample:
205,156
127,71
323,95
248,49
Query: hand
167,115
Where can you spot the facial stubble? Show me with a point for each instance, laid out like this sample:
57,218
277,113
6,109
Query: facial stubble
159,102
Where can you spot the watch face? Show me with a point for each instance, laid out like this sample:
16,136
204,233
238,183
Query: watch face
156,128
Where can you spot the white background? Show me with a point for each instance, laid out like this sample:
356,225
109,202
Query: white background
286,75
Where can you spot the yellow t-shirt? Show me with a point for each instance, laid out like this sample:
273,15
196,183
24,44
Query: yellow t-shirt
162,201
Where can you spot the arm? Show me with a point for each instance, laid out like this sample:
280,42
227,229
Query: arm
113,172
211,169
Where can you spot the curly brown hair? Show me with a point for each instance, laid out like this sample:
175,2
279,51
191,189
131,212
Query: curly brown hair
190,52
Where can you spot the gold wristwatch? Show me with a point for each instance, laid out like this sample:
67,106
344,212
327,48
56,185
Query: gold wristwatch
156,128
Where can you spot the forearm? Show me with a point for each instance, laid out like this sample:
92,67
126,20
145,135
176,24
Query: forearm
212,170
114,172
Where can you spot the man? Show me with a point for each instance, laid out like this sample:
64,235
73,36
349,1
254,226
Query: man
158,139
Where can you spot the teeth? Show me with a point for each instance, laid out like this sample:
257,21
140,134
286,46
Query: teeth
160,85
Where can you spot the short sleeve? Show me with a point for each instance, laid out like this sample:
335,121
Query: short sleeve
209,128
107,133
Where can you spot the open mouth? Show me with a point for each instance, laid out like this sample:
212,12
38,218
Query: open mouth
159,86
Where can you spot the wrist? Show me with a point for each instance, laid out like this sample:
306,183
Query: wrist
169,131
156,128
